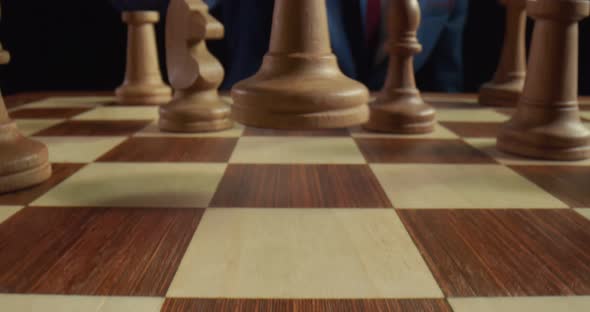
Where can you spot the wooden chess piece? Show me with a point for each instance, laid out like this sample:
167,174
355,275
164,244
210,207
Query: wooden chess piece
508,82
23,162
547,123
399,108
299,85
143,83
194,73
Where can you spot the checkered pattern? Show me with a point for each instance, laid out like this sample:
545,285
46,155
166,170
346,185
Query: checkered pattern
260,220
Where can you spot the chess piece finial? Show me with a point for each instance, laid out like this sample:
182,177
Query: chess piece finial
23,162
194,72
299,85
399,108
143,83
547,123
508,82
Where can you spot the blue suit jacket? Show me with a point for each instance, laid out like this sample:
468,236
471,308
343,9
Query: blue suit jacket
247,24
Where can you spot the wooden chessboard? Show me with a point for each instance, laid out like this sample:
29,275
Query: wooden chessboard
259,220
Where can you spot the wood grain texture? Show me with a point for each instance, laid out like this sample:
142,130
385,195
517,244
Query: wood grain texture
340,132
44,113
378,150
300,186
504,253
317,305
19,99
95,128
26,196
568,183
473,129
91,251
168,149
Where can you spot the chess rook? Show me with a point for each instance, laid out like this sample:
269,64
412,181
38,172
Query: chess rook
399,108
508,81
299,85
143,83
194,73
23,162
547,123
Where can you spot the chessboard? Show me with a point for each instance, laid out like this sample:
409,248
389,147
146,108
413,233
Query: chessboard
249,219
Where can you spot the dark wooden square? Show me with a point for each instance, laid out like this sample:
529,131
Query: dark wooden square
48,113
144,149
23,197
384,150
571,184
308,305
474,129
300,186
91,251
504,252
95,128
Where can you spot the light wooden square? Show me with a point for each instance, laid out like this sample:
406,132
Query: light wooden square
31,126
152,130
50,303
488,146
470,115
417,186
78,149
302,253
292,150
439,132
163,185
64,102
450,98
7,212
585,212
521,304
120,113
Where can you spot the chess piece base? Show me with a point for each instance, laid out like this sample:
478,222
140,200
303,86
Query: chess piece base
407,114
201,112
304,92
143,94
550,142
501,94
23,162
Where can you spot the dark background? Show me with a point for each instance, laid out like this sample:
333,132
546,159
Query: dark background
80,45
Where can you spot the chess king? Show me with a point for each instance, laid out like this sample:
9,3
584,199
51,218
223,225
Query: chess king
23,162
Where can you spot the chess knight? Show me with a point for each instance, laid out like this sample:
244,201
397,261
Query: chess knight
194,72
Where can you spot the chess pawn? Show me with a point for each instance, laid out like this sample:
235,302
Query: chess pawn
299,85
399,108
23,162
194,73
508,81
547,123
143,83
